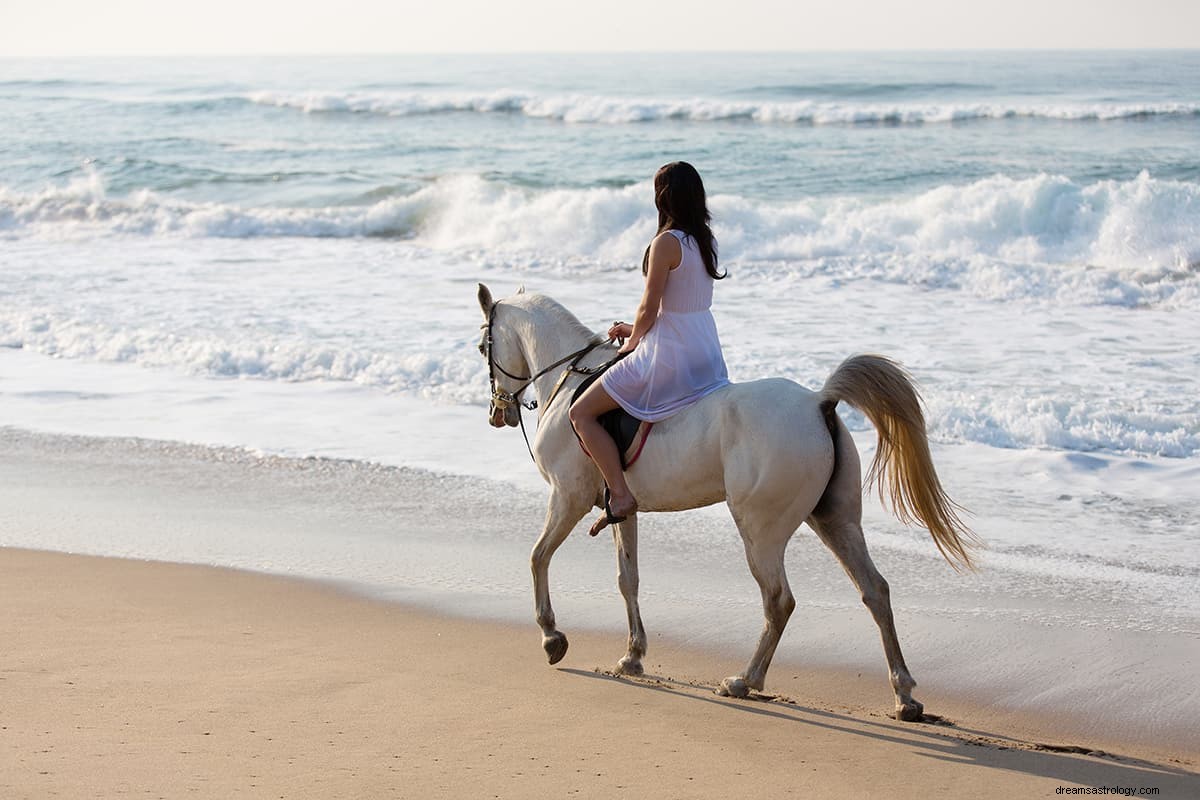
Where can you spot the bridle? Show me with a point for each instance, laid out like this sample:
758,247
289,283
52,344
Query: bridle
502,399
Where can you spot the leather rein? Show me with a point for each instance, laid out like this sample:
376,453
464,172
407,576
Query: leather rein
502,399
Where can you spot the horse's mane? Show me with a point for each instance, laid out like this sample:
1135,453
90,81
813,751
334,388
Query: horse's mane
547,307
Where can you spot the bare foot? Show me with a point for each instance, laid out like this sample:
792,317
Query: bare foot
614,511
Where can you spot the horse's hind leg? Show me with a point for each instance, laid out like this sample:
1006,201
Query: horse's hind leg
625,537
563,512
844,537
765,547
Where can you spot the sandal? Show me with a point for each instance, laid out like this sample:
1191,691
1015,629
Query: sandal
608,518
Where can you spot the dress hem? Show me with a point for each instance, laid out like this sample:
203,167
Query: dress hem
670,410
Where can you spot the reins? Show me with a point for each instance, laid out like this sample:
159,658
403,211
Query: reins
502,399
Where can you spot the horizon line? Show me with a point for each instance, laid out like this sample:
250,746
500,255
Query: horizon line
578,52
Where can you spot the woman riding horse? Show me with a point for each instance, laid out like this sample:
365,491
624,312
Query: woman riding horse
673,354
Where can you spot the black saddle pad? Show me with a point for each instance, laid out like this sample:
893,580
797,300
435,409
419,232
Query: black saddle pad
620,424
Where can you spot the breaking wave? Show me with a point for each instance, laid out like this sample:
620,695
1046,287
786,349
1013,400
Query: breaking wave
1129,243
584,108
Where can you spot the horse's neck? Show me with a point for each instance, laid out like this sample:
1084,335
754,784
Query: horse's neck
546,341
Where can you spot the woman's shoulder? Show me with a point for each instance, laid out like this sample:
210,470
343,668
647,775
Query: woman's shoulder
668,246
667,250
672,240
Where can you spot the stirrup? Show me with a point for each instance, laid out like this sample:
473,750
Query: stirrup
608,518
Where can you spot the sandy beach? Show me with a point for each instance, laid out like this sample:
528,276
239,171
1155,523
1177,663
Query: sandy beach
162,680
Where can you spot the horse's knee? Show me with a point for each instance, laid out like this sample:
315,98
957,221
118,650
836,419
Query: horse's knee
542,552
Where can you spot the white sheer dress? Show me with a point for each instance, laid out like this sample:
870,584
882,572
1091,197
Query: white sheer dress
679,359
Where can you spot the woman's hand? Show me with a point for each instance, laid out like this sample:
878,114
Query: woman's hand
629,346
620,330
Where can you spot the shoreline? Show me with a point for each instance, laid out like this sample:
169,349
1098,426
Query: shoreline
451,545
135,676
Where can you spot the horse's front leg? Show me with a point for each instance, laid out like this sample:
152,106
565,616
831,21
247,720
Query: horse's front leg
562,514
625,538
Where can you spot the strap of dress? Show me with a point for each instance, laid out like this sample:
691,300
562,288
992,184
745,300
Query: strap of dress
682,237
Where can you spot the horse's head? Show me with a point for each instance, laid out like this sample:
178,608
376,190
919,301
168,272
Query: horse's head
507,369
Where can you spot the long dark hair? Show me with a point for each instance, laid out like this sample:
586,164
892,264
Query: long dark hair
679,197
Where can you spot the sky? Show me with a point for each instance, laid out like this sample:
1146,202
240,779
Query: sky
223,27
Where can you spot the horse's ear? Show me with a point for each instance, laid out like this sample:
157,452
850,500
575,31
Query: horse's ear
521,289
485,299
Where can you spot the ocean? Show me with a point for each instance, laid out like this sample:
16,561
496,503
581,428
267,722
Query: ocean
279,255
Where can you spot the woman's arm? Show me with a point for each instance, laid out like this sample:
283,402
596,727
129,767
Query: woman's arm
665,255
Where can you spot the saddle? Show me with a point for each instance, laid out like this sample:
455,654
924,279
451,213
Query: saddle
629,432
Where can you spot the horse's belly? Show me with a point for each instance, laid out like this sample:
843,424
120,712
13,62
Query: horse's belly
677,471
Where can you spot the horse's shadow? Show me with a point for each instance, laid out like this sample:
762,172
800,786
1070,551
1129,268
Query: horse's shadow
939,739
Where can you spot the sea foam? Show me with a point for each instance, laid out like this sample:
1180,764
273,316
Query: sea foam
1128,243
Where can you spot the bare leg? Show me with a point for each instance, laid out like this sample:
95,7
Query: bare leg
625,538
845,539
561,515
764,552
584,413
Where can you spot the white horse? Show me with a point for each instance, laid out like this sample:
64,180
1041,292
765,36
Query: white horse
776,452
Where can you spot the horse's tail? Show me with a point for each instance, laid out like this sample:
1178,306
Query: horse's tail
902,467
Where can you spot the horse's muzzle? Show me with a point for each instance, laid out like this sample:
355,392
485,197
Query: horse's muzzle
503,416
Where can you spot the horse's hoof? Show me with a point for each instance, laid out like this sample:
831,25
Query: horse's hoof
555,646
630,666
912,711
734,687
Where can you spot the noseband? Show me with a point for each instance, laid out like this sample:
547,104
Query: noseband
502,399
